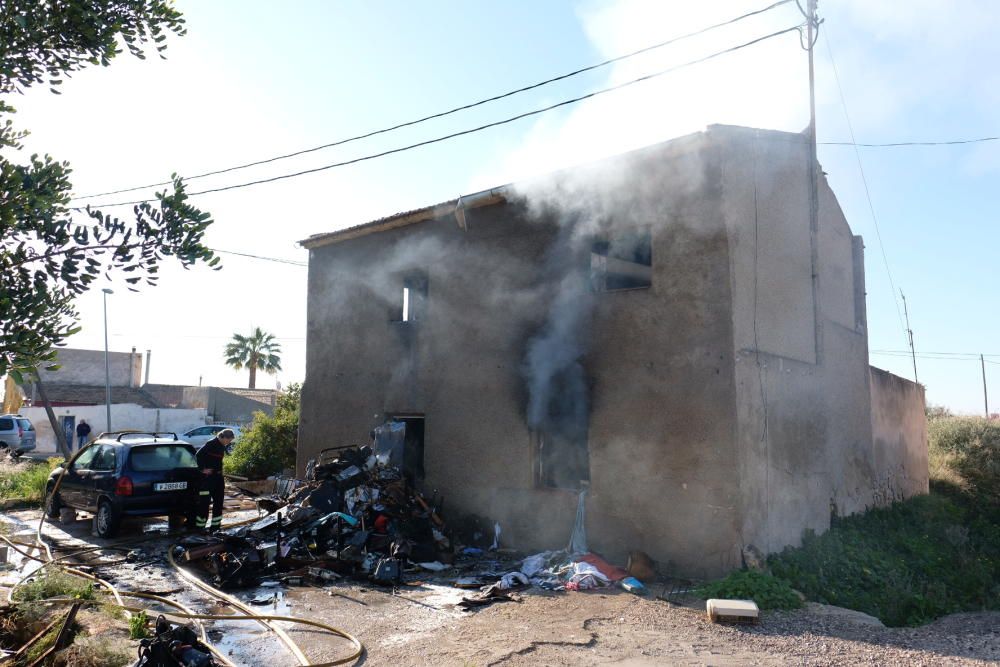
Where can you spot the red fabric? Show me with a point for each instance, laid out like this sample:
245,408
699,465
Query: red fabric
612,572
382,524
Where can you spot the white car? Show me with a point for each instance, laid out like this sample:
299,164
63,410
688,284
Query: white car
199,436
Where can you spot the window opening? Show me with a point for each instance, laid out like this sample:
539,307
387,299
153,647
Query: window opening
563,450
622,262
412,305
400,441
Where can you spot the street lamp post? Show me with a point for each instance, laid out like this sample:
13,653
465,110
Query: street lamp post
107,366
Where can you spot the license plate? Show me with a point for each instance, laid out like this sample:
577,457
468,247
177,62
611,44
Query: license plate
170,486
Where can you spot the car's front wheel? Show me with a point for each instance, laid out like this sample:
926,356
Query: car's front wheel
107,520
52,503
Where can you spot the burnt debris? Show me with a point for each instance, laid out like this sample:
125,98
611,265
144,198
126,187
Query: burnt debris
355,515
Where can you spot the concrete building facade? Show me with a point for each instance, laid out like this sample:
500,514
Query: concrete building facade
667,328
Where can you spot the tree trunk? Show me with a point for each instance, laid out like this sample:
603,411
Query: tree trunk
253,376
56,428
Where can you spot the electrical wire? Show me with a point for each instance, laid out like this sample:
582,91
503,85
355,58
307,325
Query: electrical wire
954,142
473,130
279,260
864,180
454,110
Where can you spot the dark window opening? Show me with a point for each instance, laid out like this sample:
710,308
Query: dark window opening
400,441
412,304
563,454
622,262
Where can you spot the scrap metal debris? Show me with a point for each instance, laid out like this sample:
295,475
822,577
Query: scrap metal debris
352,516
357,515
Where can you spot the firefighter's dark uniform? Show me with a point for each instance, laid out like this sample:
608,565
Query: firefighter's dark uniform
212,486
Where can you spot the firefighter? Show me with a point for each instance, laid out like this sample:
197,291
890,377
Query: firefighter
212,486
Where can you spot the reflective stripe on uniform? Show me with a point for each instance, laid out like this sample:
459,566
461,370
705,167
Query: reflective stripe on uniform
200,521
204,493
216,521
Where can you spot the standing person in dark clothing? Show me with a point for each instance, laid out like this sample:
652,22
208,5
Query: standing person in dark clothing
82,432
212,486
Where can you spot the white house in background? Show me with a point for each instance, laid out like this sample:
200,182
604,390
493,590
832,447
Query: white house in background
76,392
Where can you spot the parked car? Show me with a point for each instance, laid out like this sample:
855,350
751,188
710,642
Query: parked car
199,436
127,474
17,435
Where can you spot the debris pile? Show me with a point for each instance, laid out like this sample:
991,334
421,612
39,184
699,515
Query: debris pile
355,514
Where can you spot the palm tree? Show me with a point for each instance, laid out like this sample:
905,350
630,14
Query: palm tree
258,350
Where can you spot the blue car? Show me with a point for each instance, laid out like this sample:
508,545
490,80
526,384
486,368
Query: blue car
127,474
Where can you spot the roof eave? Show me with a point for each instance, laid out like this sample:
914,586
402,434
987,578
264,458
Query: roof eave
485,198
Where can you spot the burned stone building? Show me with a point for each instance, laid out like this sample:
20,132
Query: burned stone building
670,328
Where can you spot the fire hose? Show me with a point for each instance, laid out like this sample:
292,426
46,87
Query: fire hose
265,620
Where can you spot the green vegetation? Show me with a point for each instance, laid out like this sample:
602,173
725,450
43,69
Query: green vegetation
915,560
906,564
768,591
26,481
965,458
41,646
54,586
268,446
49,253
137,626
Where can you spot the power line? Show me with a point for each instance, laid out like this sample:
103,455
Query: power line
962,354
480,128
279,260
864,180
457,109
954,142
293,262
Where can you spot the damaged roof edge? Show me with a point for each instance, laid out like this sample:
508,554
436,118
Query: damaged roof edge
489,197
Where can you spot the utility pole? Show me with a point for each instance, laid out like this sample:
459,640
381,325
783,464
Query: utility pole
986,400
811,36
909,332
107,367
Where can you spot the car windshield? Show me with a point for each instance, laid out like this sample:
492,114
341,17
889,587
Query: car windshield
26,425
162,457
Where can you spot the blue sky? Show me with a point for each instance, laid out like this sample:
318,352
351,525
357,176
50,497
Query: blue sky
252,79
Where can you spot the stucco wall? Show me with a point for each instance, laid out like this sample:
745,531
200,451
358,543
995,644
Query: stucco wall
659,364
223,405
801,372
899,434
87,367
730,400
123,416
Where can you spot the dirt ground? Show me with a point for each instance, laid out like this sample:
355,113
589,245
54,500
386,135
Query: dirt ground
420,624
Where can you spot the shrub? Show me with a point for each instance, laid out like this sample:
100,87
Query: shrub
26,480
137,626
268,446
965,453
54,586
768,591
907,564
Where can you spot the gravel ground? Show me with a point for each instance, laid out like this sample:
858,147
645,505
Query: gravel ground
620,629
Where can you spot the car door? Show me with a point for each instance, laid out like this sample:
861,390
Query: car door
71,488
103,475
